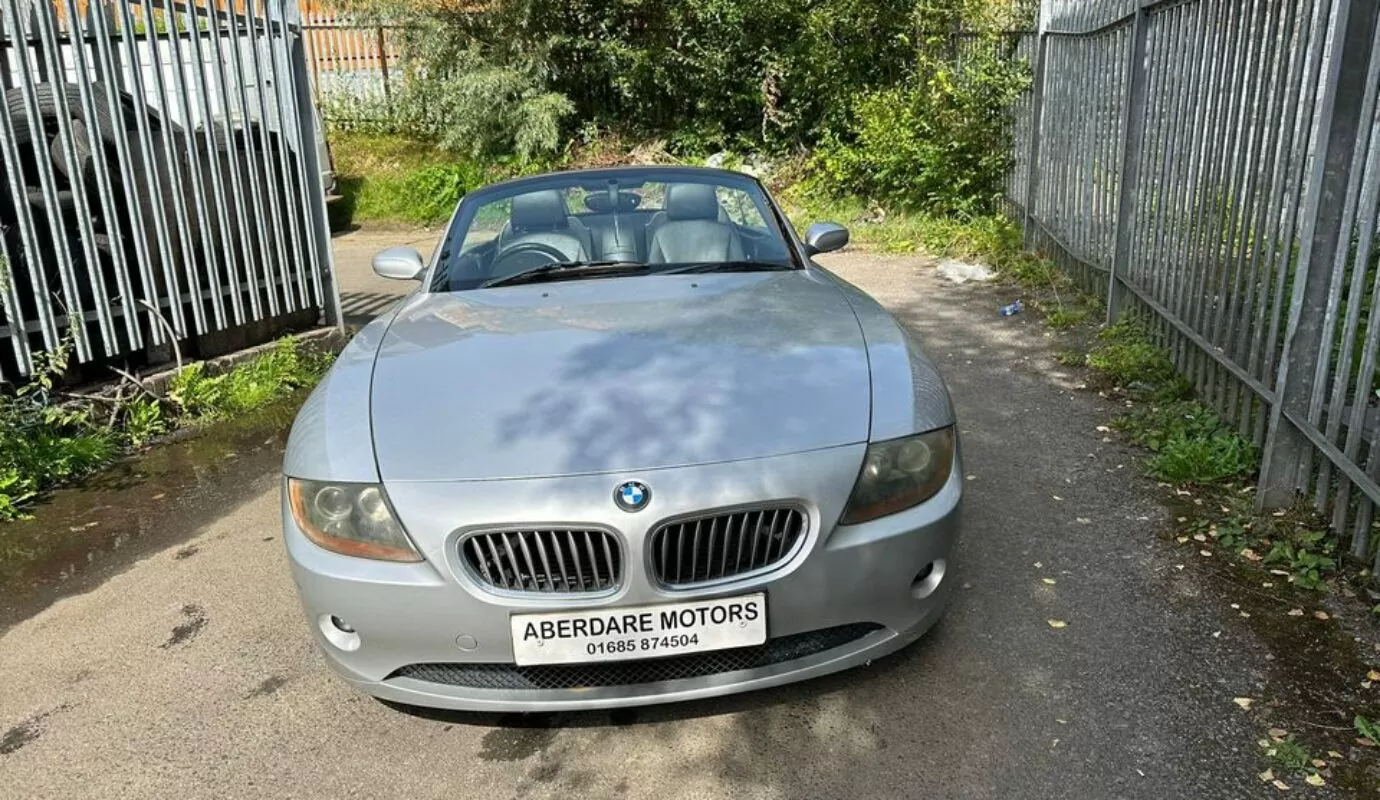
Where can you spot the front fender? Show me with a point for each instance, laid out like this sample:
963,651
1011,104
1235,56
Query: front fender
908,394
332,437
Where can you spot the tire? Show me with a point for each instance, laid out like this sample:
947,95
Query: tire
137,183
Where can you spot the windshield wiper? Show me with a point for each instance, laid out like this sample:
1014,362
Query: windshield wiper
568,269
728,266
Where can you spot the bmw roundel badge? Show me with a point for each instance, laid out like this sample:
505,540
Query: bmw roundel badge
632,496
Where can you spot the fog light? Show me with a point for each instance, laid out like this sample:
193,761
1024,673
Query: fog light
338,632
927,580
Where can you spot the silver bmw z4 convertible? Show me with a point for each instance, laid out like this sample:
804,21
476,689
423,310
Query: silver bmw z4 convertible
624,444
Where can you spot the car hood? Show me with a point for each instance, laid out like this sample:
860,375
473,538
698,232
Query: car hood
617,375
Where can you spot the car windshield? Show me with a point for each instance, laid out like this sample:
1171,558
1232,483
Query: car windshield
602,223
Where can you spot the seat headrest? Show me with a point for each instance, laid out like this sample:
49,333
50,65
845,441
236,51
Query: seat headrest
691,201
542,210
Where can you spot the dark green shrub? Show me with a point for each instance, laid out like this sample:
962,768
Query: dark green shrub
939,141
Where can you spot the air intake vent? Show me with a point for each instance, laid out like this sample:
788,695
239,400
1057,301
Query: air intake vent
712,548
546,561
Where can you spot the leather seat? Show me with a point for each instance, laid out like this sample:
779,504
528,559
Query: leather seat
541,217
694,228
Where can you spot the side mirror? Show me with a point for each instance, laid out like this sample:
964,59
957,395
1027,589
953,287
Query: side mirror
825,237
399,264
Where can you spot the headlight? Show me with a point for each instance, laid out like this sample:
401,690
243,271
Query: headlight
352,519
899,474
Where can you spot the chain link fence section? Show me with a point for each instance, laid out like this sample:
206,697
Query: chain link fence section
1212,167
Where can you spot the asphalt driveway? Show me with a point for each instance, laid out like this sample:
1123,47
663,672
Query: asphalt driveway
190,674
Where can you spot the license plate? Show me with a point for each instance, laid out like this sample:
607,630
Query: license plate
629,632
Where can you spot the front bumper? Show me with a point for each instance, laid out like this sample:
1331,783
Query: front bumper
849,580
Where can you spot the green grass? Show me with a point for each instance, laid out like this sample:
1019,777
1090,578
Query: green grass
48,439
1188,441
1200,460
1067,317
196,395
1126,356
991,239
392,179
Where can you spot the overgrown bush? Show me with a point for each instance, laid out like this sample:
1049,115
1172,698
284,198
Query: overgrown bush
939,141
519,76
454,94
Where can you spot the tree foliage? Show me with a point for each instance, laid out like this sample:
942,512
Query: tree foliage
878,81
939,141
508,73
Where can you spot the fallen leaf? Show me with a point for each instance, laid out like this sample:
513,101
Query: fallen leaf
1322,615
1038,565
1268,775
1235,606
1277,733
1333,754
159,496
1182,540
1295,612
1057,497
1278,572
1084,521
1049,581
1373,676
1364,742
1281,785
1245,615
1103,429
1244,702
1250,555
1216,634
1056,624
1205,553
1267,584
1198,537
1315,780
1319,763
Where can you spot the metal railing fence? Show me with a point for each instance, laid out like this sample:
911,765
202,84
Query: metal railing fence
160,182
1213,167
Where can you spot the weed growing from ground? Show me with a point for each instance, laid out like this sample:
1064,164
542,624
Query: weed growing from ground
48,439
1209,459
1127,356
1290,755
195,394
